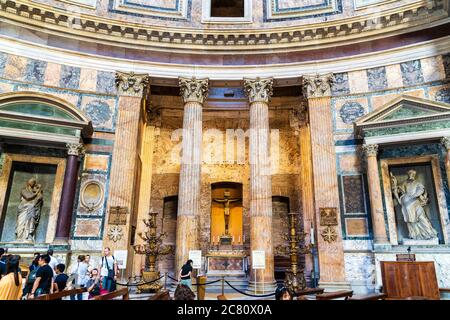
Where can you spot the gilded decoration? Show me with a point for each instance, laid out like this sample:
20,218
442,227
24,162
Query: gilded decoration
328,216
193,89
258,90
317,86
131,84
329,234
118,215
115,233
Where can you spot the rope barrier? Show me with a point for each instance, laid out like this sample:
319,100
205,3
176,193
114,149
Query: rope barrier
248,294
138,284
197,284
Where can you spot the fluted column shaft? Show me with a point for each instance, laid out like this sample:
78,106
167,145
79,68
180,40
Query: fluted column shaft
194,92
376,202
259,91
317,89
129,125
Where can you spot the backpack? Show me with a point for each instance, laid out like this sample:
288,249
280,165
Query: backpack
32,276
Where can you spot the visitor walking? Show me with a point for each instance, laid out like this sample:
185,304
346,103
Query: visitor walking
80,273
108,270
11,282
185,274
31,277
53,261
44,277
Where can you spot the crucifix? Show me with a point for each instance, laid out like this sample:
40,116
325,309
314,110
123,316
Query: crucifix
226,208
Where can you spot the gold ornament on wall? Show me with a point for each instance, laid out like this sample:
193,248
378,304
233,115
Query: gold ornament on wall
115,233
328,216
329,234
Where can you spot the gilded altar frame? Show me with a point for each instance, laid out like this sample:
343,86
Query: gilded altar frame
57,188
433,160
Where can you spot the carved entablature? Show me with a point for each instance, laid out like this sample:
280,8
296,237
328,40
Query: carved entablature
193,89
75,149
317,85
131,84
258,90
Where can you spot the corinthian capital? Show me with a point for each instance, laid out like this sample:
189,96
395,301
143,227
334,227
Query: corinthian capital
75,149
371,150
446,142
317,85
131,84
258,90
193,90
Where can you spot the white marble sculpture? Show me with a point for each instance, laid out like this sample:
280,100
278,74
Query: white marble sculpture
29,211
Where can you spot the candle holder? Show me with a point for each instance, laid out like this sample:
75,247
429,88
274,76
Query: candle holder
152,248
294,276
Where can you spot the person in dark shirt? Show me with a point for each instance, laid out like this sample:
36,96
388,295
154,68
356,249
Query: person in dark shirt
185,274
61,278
44,277
2,262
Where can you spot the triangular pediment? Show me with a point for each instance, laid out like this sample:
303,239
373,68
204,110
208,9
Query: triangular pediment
405,107
404,115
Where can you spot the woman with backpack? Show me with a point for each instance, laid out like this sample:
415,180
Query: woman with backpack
31,276
11,283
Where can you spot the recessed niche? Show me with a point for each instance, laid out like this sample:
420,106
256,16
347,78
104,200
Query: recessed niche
92,195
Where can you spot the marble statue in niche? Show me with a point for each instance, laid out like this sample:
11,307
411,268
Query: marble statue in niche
413,197
29,211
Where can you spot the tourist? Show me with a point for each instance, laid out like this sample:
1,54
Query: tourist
53,261
108,270
80,271
31,277
185,274
11,282
2,262
88,261
183,292
282,293
35,263
60,282
44,277
93,284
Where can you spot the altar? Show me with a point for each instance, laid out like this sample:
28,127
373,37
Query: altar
226,262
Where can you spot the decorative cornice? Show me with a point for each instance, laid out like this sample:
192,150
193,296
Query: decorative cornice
317,86
258,90
193,90
446,143
370,150
75,149
83,25
131,84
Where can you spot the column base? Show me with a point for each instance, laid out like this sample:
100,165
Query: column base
61,241
261,288
335,286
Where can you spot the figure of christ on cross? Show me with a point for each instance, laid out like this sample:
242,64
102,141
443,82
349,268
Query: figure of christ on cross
226,208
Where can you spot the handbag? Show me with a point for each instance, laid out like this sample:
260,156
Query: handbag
32,276
110,271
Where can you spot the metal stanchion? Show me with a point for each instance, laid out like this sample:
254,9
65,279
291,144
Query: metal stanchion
165,280
223,285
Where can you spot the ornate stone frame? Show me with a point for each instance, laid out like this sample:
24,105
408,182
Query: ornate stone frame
56,196
438,185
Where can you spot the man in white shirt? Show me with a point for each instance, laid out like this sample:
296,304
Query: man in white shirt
108,270
53,261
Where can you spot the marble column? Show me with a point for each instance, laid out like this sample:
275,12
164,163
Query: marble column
259,91
194,92
317,89
74,152
446,143
131,88
376,202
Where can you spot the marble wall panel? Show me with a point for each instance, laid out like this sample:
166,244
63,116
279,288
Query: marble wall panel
358,81
70,77
446,63
433,69
3,60
35,71
394,76
100,110
105,82
340,84
15,67
347,111
412,72
440,93
356,227
349,163
377,79
85,228
360,271
88,79
52,74
96,162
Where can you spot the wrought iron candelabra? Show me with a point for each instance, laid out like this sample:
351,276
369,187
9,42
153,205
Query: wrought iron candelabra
295,277
152,248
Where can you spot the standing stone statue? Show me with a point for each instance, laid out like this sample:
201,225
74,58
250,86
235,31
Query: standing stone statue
29,211
413,197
